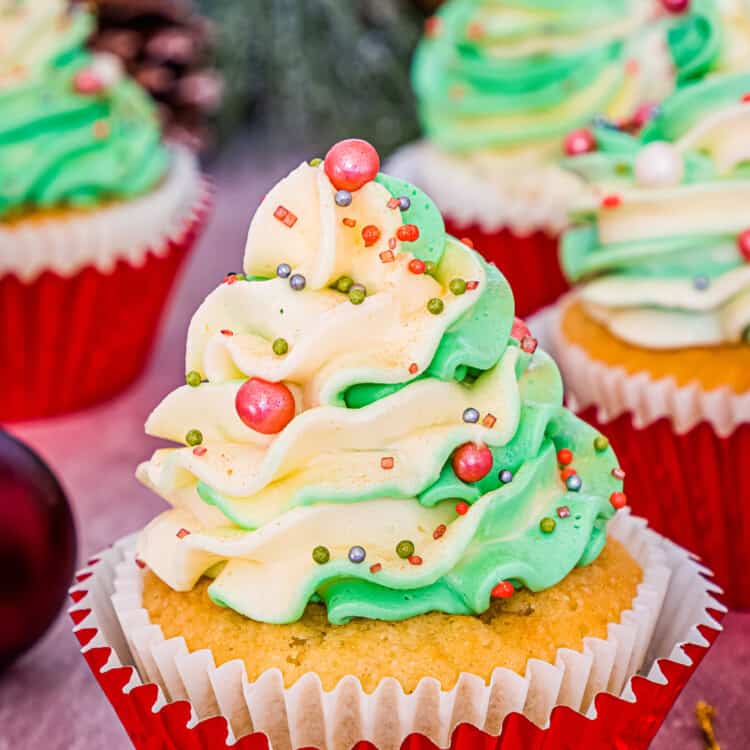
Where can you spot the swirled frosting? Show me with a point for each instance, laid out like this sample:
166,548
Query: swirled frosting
74,130
492,74
384,393
660,250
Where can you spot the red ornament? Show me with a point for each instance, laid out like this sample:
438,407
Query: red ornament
264,407
743,242
472,462
565,474
87,82
416,266
564,457
618,500
37,546
675,6
370,234
408,233
351,164
579,142
462,508
503,590
520,330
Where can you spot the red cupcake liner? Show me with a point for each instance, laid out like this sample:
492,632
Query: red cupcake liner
529,262
693,488
688,629
67,343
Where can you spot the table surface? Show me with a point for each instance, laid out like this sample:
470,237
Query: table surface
48,699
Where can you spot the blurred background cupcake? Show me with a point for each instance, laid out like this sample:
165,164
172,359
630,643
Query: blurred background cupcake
504,90
655,339
96,215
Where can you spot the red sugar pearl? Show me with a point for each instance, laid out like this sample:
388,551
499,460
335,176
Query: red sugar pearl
415,560
370,234
503,590
579,142
468,242
439,532
462,508
416,266
408,233
564,457
567,473
618,500
611,201
743,242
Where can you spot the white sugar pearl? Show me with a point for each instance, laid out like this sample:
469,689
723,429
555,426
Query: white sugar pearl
108,68
659,164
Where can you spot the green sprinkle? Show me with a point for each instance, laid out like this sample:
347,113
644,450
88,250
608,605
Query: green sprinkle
316,162
405,549
429,267
457,287
280,347
321,555
193,379
194,437
547,525
435,306
344,284
601,444
357,295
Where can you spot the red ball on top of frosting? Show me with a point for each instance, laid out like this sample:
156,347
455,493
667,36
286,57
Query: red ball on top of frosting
264,407
351,164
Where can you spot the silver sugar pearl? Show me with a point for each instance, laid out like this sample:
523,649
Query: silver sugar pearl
283,270
297,282
357,555
343,198
471,415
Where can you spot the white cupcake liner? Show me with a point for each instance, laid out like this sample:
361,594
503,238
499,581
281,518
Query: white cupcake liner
614,392
494,193
126,230
109,613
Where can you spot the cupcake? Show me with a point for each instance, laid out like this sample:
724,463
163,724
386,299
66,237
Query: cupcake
96,215
655,338
383,520
505,90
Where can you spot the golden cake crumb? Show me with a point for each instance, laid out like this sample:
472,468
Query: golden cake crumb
434,645
711,367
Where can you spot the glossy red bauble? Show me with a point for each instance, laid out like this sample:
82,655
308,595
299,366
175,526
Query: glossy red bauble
351,164
37,548
743,242
472,462
579,142
264,407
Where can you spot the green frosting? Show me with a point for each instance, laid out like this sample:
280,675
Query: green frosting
669,257
478,87
59,147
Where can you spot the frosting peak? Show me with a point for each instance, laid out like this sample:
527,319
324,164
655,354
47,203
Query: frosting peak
423,420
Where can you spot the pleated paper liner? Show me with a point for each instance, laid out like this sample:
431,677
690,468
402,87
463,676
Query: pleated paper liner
167,697
685,451
70,341
529,262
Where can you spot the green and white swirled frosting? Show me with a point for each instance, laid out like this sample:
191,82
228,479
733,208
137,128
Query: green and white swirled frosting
380,391
664,260
74,130
510,73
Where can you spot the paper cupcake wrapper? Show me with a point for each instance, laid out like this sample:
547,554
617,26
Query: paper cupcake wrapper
588,696
70,341
684,450
529,262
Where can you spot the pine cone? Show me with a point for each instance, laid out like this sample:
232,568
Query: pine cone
167,47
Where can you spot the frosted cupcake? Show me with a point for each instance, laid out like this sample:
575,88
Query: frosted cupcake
505,90
96,215
655,338
378,492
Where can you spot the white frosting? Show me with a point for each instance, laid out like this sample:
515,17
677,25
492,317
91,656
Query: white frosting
126,230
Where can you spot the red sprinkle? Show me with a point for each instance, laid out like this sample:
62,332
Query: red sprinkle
413,368
182,533
433,26
200,450
566,474
439,531
503,590
520,330
489,421
230,279
387,463
285,216
462,508
563,511
416,266
376,568
564,457
746,97
471,285
349,222
618,500
387,256
618,474
140,563
468,242
393,203
87,82
392,243
370,234
743,242
529,344
408,233
226,332
415,560
611,201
